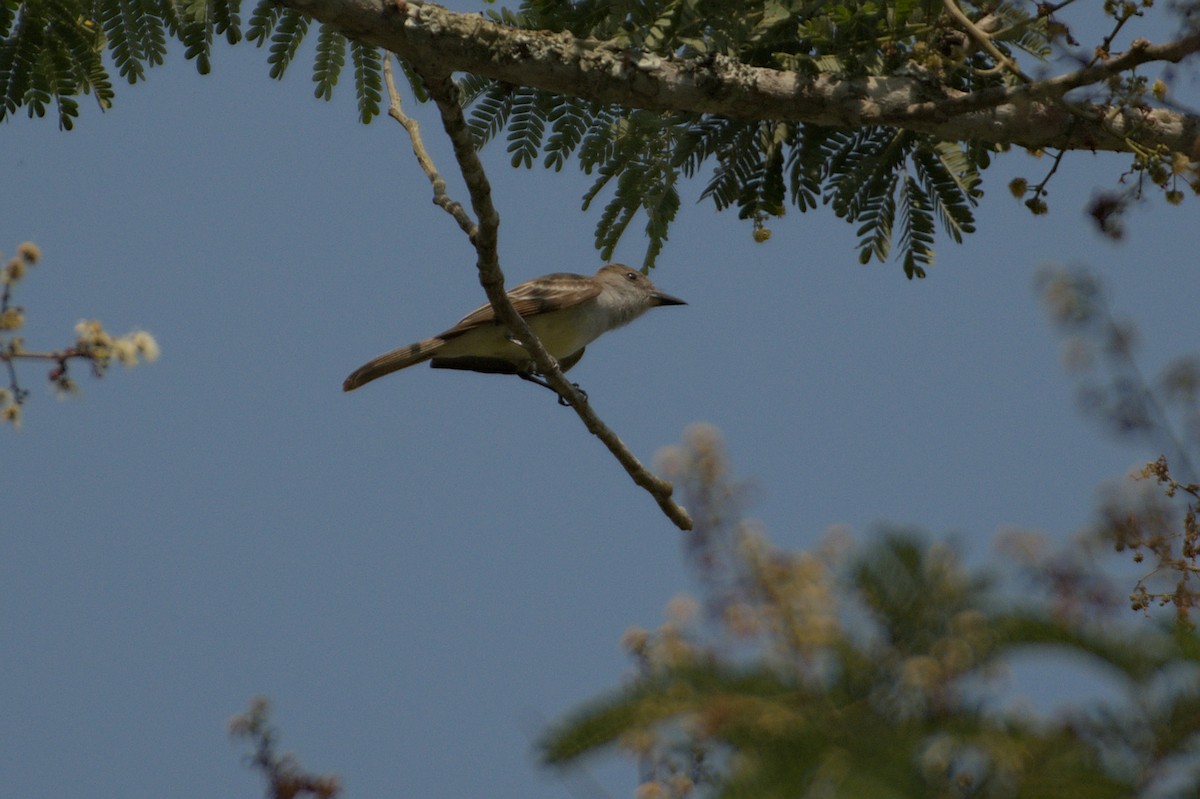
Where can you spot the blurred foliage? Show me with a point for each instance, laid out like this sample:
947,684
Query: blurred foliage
1154,522
92,343
285,777
871,671
896,186
1100,352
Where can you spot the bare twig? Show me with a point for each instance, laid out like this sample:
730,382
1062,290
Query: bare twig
440,197
1040,189
1127,12
483,236
984,40
1140,52
1044,10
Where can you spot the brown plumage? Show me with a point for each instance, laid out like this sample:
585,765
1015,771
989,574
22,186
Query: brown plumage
566,311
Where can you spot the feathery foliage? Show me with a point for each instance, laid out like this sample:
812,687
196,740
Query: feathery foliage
898,188
368,79
331,57
52,51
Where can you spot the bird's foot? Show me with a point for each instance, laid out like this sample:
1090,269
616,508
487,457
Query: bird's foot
538,379
563,401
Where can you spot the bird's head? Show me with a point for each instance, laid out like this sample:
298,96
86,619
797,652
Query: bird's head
635,287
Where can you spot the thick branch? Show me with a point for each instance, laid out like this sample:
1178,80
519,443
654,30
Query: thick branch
484,237
443,42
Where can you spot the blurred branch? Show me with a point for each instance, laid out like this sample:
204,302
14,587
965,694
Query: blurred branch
1174,544
285,778
983,39
1100,350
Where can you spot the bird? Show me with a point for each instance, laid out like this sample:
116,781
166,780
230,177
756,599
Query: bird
566,311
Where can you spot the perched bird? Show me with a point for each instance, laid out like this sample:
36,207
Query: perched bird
566,311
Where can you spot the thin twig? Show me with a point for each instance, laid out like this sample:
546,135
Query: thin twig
1044,10
1040,188
1101,52
60,355
483,235
440,197
984,40
1140,52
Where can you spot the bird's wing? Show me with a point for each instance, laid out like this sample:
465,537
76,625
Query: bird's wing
542,294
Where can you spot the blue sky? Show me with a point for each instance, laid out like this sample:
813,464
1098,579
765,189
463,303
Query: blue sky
420,573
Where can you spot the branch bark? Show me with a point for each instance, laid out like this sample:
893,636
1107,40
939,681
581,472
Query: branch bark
484,236
1034,115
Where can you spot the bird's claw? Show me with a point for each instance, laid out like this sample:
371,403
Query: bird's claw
535,377
563,401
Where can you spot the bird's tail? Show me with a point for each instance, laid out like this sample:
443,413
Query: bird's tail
392,361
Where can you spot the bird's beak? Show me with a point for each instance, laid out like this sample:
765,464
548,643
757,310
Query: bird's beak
666,299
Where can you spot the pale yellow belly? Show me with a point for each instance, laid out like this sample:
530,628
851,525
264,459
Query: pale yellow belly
562,333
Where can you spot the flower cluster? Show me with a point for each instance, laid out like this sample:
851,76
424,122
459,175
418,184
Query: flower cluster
92,342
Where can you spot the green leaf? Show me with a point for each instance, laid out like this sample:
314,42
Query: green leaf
285,41
661,203
227,20
157,17
331,57
414,81
525,128
916,224
18,61
122,21
368,79
490,112
806,165
878,216
263,19
737,158
600,141
196,32
949,179
568,123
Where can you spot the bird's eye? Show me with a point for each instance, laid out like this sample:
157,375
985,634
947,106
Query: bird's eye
631,275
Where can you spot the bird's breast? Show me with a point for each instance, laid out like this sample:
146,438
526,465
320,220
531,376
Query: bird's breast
567,331
562,333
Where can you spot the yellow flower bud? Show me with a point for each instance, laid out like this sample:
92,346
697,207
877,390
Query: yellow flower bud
29,252
11,319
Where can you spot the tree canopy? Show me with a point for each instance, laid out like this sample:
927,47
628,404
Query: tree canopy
887,112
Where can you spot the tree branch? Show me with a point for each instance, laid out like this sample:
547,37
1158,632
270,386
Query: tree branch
484,236
982,39
440,198
1033,115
